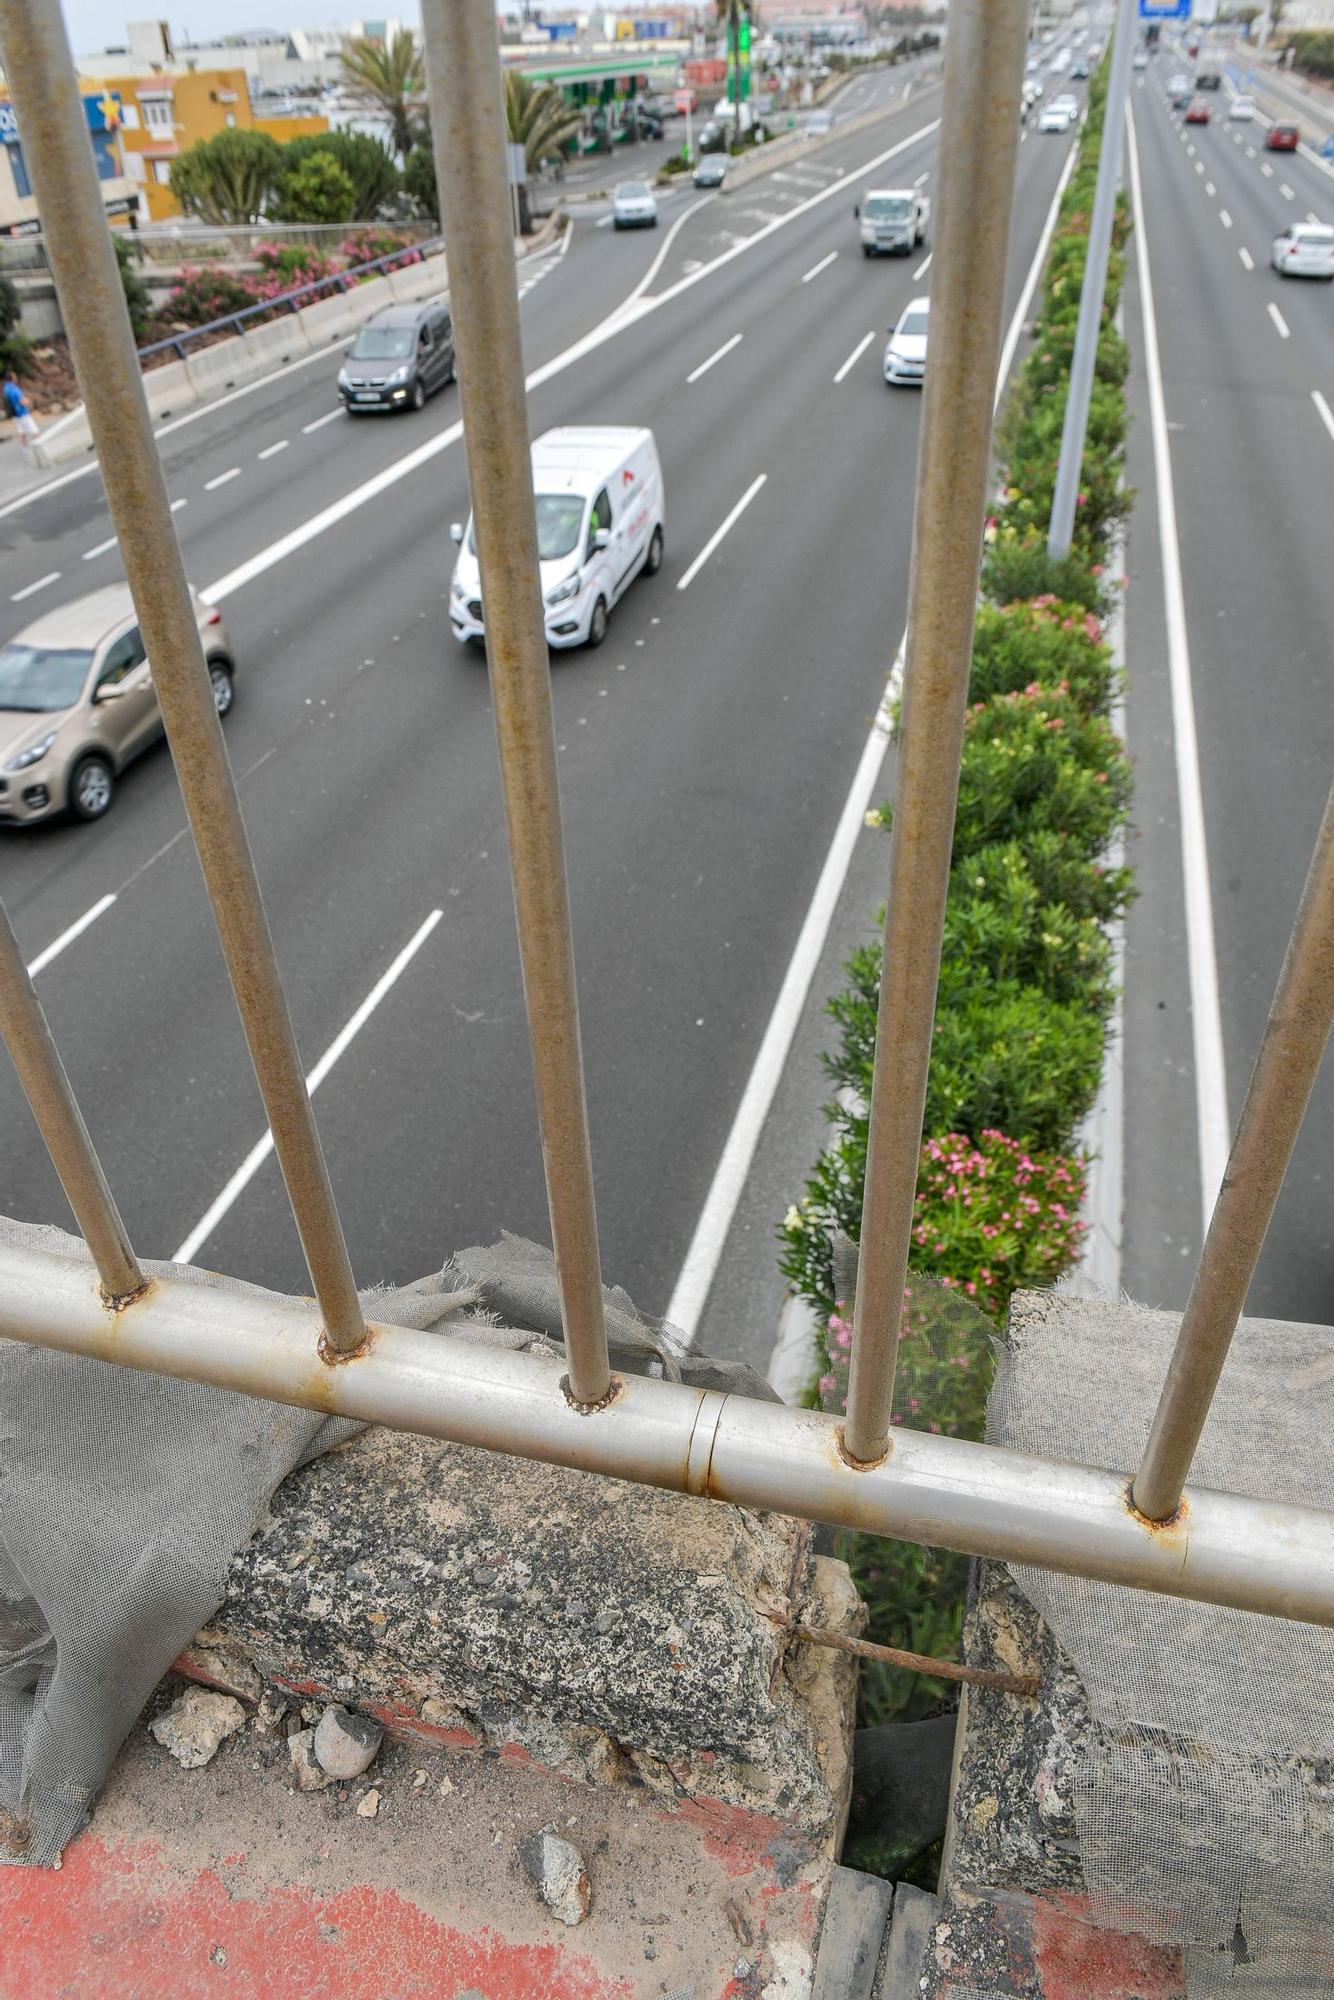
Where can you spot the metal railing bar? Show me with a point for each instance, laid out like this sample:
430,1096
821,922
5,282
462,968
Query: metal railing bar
1281,1083
41,76
47,1088
463,72
942,1491
979,149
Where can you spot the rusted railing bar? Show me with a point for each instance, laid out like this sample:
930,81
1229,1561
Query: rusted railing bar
463,70
979,147
1281,1083
40,73
47,1088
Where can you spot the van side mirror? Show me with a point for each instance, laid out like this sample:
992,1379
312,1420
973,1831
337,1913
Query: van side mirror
857,210
456,531
601,538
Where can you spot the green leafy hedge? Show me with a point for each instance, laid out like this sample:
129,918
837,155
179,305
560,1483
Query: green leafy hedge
1025,987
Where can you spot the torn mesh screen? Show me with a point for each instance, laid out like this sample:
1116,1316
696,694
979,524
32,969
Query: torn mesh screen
1206,1807
124,1496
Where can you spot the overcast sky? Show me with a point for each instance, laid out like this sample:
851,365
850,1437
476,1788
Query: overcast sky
98,24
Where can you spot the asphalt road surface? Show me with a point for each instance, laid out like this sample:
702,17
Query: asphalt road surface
1247,372
706,751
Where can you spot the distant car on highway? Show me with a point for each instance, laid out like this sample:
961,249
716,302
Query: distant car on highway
905,355
892,221
1140,59
1197,112
1068,103
1305,250
1080,70
711,171
78,705
1282,139
633,206
1241,110
1032,90
818,124
1209,79
600,524
1054,118
1178,84
399,358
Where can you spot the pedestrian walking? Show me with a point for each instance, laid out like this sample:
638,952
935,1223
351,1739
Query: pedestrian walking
25,423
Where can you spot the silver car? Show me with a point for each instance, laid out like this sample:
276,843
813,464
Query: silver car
634,206
77,704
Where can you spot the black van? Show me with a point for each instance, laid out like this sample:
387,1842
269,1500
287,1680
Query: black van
399,358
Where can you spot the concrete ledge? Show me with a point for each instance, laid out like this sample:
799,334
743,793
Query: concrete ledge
606,1632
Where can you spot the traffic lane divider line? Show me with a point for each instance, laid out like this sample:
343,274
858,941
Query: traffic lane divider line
1281,325
272,450
258,1153
99,548
855,356
1246,257
31,589
232,472
1326,414
329,417
923,267
816,269
720,533
705,366
67,937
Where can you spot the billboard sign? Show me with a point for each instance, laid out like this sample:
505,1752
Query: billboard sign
1164,10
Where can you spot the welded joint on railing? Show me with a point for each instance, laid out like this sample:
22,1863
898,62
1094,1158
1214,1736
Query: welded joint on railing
119,1302
333,1357
861,1464
614,1391
1170,1525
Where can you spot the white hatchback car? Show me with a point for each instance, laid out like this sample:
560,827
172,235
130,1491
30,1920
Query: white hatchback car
1241,110
905,355
1306,250
634,206
1054,118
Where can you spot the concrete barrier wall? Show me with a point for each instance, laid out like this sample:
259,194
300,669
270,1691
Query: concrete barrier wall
212,371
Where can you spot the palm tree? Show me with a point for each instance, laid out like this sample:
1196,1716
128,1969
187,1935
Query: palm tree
393,76
539,116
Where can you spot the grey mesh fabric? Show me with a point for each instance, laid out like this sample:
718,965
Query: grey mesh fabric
1206,1804
124,1496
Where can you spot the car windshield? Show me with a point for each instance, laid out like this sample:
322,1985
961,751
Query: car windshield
382,343
912,322
888,208
633,191
41,679
1317,236
559,519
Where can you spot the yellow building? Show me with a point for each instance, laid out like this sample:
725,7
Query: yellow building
164,114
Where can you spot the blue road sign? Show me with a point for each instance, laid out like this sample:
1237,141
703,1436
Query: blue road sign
1164,10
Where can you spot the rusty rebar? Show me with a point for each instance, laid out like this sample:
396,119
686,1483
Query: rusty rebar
47,1088
1271,1118
468,123
913,1663
40,73
979,148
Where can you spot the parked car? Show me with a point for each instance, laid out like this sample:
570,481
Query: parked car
633,206
1305,250
905,355
1197,112
1241,111
77,704
399,358
1282,139
600,524
711,170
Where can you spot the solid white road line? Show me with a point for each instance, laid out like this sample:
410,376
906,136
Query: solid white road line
1326,414
1280,323
631,309
855,356
1225,218
330,417
257,1155
705,366
31,589
54,949
1246,257
1213,1125
685,582
272,450
233,472
921,270
690,1294
99,548
816,269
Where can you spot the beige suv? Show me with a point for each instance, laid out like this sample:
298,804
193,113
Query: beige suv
77,704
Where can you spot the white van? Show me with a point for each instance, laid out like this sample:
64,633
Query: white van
600,522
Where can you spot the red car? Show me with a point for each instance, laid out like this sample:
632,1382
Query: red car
1197,112
1282,139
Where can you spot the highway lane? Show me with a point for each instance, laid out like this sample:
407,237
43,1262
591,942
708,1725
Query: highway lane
1243,355
706,750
